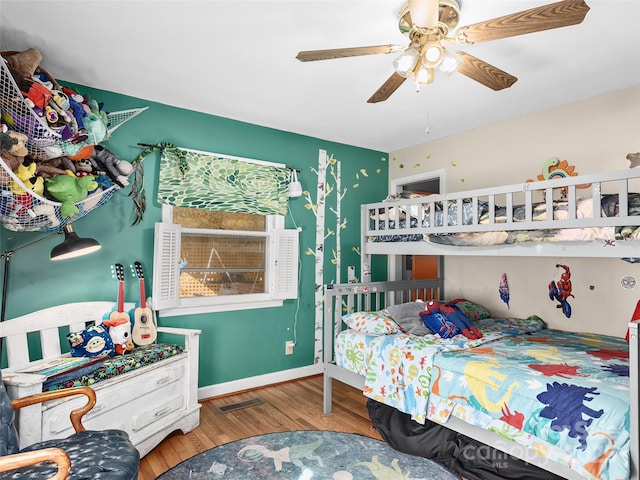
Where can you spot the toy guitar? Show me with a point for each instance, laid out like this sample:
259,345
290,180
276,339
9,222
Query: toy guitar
144,330
118,272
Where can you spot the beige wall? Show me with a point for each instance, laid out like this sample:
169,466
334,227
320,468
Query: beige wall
594,135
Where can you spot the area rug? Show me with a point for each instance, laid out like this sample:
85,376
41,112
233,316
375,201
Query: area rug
305,455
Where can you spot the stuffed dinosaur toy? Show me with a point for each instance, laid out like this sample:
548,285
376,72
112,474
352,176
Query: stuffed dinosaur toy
69,190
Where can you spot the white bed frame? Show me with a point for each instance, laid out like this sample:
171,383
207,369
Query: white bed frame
352,297
616,182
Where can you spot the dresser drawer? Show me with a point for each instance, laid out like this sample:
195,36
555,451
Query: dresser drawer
150,413
138,391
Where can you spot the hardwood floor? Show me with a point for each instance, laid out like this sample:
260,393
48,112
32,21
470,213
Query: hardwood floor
295,405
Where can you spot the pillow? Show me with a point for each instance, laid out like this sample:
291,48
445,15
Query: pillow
471,310
91,342
407,316
375,323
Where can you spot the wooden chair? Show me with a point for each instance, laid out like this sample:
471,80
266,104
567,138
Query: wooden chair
86,454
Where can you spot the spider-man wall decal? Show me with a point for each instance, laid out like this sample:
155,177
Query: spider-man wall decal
562,290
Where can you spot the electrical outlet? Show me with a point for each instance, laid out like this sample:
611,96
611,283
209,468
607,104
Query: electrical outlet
289,347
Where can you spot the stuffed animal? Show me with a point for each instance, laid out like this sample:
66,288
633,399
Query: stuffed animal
94,341
28,176
25,62
106,163
96,131
120,333
28,180
69,190
55,166
84,167
448,320
13,149
23,66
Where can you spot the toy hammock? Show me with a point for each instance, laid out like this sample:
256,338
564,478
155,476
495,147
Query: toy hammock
28,211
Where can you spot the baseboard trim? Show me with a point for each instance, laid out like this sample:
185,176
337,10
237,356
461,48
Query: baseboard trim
257,381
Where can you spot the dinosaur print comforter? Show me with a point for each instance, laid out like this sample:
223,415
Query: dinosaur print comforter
563,394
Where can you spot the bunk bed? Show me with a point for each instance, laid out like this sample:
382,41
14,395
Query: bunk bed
593,216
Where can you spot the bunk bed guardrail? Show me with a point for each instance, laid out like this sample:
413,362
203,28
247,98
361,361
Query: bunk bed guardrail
611,201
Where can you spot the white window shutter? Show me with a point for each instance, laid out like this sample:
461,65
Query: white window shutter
286,264
166,266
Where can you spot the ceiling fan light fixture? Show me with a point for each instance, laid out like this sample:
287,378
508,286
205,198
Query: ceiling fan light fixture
432,54
405,63
423,75
450,62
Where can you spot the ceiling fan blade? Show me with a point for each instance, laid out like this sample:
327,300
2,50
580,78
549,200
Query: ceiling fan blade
312,55
387,88
424,13
546,17
484,73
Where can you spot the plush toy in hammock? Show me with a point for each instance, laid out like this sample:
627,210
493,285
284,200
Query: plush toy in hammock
446,320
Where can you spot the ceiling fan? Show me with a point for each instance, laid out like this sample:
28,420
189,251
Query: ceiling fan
428,24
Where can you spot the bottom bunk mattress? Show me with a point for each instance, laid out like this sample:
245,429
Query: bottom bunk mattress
564,395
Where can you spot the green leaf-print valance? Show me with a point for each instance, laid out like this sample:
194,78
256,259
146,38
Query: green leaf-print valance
214,182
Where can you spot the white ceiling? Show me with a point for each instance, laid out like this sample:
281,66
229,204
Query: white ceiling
236,59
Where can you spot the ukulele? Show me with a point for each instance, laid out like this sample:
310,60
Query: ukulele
144,330
118,273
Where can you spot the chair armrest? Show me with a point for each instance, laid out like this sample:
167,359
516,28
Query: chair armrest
55,455
76,414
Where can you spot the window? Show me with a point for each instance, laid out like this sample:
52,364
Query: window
210,261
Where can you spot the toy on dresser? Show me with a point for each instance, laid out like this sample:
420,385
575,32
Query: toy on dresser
120,333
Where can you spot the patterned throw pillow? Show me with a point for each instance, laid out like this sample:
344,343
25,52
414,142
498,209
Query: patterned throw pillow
91,342
374,323
471,310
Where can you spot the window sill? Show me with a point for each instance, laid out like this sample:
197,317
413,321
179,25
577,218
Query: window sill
199,309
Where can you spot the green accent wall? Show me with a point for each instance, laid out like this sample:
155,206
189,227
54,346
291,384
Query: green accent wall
234,345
